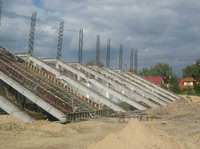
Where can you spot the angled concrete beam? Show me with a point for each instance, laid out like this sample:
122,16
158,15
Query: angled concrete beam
132,94
34,98
143,86
83,90
131,85
12,109
151,85
97,98
104,90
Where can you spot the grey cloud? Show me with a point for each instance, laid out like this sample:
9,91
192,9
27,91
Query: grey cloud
162,31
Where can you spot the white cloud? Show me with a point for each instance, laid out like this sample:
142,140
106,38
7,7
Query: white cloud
165,31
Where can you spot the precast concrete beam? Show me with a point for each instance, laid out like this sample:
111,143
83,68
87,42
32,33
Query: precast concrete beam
152,88
43,65
119,96
83,90
77,86
12,109
34,98
132,94
138,78
102,87
133,86
143,86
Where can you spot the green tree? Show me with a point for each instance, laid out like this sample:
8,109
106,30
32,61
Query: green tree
192,70
165,71
160,69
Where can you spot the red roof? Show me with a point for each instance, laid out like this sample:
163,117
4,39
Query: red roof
188,80
156,80
182,85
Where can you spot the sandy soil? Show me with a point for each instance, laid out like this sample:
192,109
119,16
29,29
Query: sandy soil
179,127
47,135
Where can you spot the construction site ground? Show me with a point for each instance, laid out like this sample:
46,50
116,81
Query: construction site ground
177,126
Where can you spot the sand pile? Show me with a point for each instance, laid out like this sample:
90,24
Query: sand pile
181,106
10,119
137,135
194,141
52,127
10,127
10,123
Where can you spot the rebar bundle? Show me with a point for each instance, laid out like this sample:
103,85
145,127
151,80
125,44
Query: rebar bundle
120,57
32,33
60,39
98,50
0,11
136,61
108,54
131,59
80,46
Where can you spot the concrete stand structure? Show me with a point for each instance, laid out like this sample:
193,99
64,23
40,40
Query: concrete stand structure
12,109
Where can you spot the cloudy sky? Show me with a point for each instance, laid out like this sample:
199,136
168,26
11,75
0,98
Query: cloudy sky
165,31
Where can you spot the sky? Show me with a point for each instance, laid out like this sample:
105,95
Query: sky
166,31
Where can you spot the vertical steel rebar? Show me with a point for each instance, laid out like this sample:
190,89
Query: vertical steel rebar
108,54
0,10
60,39
131,59
120,57
136,61
32,33
80,50
98,50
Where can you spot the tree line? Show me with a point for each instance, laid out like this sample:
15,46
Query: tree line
165,71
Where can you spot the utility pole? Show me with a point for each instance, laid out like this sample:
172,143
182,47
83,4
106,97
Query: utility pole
98,50
108,54
32,33
60,39
80,46
136,61
0,10
120,57
131,59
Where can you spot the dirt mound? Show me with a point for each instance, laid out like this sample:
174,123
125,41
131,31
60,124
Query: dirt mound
194,141
10,127
181,106
137,135
51,127
10,119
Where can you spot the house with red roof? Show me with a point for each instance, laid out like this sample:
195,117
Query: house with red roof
186,83
155,80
